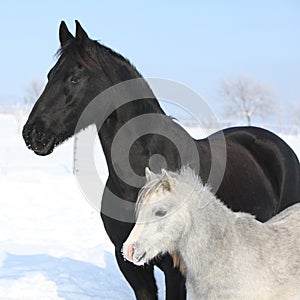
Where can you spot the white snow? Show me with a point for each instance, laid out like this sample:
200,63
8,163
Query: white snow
23,289
52,242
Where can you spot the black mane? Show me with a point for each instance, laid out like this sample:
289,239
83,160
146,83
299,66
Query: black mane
95,55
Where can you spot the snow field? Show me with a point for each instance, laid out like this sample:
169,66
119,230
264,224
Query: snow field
52,242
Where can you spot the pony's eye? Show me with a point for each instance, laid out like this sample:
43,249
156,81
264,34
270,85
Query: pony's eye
75,79
160,213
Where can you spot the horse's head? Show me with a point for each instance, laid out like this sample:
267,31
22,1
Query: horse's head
160,221
78,76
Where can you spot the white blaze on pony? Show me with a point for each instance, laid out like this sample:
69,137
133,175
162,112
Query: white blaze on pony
226,255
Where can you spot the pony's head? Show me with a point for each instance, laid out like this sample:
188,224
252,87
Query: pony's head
162,217
84,69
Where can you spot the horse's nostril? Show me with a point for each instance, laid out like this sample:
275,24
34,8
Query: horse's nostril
26,133
29,133
33,133
26,129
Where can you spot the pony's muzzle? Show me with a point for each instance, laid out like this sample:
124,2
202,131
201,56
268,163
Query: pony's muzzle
131,254
128,251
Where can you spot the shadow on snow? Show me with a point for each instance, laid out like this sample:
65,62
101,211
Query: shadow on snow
74,279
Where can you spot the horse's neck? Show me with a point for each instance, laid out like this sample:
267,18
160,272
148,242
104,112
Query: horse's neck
122,116
149,144
123,72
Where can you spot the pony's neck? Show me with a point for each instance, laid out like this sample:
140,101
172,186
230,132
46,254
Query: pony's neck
209,235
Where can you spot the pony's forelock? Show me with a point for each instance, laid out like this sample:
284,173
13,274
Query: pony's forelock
185,175
149,187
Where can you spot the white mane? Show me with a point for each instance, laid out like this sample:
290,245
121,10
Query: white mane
185,175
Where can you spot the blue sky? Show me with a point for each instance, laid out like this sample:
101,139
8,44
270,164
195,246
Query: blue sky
198,43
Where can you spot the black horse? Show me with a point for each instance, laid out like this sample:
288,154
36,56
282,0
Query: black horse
261,174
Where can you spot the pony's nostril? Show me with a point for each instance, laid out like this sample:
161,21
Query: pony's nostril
140,257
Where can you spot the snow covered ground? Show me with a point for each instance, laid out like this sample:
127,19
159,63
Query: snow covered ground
52,242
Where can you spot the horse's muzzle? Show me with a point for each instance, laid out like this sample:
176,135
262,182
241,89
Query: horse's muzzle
39,140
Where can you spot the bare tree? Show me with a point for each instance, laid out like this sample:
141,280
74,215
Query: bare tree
20,110
246,98
296,114
33,91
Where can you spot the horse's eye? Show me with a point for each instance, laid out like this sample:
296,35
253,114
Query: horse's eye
160,213
75,79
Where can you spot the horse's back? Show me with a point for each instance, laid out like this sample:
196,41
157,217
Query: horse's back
277,160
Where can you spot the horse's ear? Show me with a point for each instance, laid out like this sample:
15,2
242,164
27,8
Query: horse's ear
81,35
167,180
64,34
148,174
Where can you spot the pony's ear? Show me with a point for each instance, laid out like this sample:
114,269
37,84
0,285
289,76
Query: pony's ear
64,34
167,180
149,175
81,35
